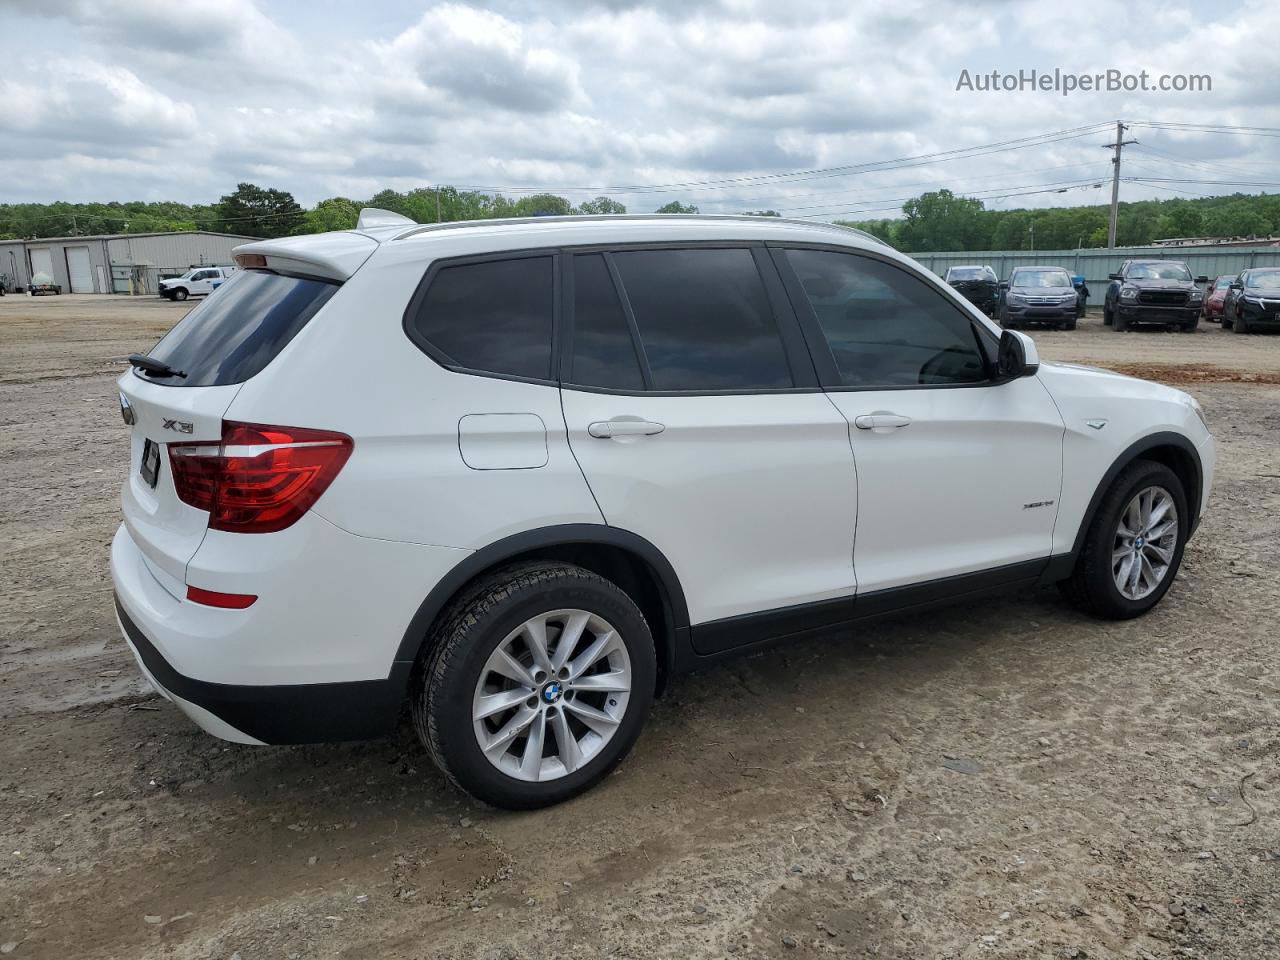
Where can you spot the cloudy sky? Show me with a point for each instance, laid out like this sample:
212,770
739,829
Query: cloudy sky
727,100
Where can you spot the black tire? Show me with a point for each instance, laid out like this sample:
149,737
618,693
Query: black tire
1241,325
1091,586
481,617
1119,323
180,294
1190,325
1108,316
1070,324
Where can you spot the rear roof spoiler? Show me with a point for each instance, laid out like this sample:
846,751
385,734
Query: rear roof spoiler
329,256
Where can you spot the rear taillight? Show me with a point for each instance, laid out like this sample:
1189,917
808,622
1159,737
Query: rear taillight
259,479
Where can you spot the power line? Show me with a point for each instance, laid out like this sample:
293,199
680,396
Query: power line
1026,193
819,173
1051,186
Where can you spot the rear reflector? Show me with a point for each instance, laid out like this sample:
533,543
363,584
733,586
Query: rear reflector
228,601
260,478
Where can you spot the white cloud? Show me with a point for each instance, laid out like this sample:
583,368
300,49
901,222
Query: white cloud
156,101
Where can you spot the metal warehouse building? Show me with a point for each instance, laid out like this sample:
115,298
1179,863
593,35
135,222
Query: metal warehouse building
113,263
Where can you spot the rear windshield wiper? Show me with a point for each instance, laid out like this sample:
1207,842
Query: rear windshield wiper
157,368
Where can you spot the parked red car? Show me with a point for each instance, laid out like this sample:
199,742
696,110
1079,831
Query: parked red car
1214,302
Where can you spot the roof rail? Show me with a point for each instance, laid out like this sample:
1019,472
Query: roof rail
602,217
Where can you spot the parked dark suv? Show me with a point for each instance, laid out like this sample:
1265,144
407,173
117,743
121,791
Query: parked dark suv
978,285
1039,295
1154,291
1253,301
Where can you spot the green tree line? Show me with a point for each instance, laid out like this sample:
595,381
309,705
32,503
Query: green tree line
943,220
256,211
939,220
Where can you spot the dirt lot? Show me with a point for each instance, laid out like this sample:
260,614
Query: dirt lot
1006,779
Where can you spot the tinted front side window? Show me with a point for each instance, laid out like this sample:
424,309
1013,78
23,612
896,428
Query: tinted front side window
885,327
603,352
232,336
705,319
494,316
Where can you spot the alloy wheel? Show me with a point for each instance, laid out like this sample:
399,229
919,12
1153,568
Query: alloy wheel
1145,541
551,695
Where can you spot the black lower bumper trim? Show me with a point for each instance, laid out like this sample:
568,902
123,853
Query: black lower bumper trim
285,713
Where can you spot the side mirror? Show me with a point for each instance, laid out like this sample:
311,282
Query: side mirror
1236,286
1202,279
1004,284
1017,356
1115,276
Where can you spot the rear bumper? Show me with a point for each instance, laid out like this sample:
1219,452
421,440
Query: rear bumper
313,659
278,714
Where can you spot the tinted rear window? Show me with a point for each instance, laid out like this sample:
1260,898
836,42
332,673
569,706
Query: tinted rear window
494,316
240,328
705,320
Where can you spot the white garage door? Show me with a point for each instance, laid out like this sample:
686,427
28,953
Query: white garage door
42,262
79,270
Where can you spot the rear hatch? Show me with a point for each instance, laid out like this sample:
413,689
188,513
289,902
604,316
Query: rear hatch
209,354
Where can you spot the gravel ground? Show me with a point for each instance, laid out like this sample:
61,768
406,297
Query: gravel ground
1005,779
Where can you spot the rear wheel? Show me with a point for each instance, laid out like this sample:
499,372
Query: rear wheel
536,685
1134,545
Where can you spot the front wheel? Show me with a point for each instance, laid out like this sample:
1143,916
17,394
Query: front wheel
180,293
1108,316
1190,325
1133,547
1241,325
536,684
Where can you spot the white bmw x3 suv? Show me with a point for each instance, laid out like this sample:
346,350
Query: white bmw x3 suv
517,474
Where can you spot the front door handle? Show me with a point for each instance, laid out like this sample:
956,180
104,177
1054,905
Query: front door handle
881,421
624,427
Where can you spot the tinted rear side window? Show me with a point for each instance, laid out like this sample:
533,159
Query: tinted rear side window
705,319
494,317
604,354
240,328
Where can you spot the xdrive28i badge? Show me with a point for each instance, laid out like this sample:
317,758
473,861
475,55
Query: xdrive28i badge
182,426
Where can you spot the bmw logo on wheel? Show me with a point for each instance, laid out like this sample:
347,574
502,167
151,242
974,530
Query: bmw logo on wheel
551,692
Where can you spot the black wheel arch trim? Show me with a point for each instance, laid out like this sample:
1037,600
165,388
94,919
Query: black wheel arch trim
676,610
1061,565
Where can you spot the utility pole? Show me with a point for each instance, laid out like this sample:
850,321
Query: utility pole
1115,181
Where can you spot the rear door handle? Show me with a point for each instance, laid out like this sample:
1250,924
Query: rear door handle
881,421
620,427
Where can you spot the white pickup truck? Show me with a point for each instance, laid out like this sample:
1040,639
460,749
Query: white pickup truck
196,282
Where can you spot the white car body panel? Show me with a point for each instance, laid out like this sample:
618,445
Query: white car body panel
954,490
1129,409
751,498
